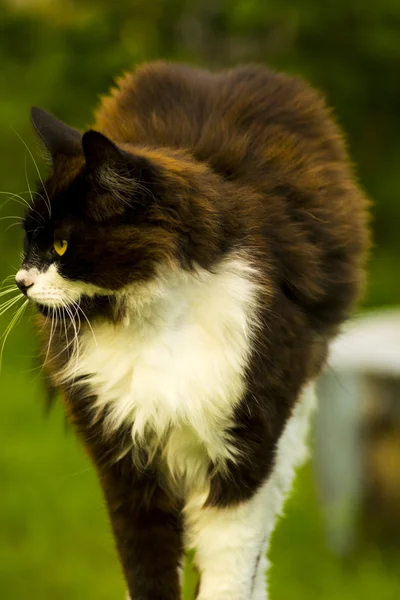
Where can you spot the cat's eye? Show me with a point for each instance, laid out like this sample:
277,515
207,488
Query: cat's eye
60,246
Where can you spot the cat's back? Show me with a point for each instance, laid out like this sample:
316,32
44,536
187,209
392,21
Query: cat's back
225,118
273,138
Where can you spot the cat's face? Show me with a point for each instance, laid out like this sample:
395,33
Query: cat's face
107,218
76,247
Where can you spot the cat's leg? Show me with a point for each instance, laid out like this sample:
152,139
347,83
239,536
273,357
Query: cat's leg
148,533
146,521
230,538
230,545
260,580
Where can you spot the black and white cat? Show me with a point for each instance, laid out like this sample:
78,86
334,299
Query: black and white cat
191,257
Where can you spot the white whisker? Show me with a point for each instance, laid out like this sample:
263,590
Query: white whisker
68,342
16,198
18,218
50,337
37,170
22,201
76,338
12,288
6,279
9,303
13,225
16,317
27,181
85,316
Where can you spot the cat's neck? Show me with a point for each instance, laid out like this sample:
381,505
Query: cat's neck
175,295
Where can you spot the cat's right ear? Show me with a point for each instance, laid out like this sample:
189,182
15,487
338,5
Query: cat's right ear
59,138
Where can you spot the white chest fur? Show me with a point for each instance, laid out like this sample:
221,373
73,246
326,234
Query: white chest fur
174,370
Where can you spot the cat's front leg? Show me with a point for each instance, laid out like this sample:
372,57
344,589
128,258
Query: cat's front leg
230,547
230,524
260,591
146,521
148,532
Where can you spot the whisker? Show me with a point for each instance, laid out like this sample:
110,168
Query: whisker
27,181
17,311
78,306
35,193
16,198
9,303
37,169
13,225
56,312
20,200
17,201
8,290
18,218
51,336
6,279
45,360
76,338
61,317
10,285
16,317
67,342
7,300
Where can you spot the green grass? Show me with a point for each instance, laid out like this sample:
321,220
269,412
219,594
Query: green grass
55,540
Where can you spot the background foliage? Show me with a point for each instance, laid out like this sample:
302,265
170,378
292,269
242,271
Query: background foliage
54,537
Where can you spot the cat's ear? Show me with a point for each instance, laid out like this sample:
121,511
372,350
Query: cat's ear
101,153
59,138
122,178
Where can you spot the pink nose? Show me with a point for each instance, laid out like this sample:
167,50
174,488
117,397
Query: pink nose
24,280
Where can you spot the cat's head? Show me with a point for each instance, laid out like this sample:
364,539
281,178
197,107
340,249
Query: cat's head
109,216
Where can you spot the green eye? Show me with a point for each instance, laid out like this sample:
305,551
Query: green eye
60,246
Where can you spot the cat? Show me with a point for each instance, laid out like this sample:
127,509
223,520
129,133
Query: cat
191,256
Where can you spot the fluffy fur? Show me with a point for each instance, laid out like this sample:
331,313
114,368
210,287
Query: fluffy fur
175,372
216,242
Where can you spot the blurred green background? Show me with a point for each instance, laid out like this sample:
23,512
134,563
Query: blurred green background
55,541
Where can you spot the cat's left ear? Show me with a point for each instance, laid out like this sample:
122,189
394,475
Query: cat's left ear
59,138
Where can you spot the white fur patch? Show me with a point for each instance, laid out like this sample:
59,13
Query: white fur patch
228,541
174,369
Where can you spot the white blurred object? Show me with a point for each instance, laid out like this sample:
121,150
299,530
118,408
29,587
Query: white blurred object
369,346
